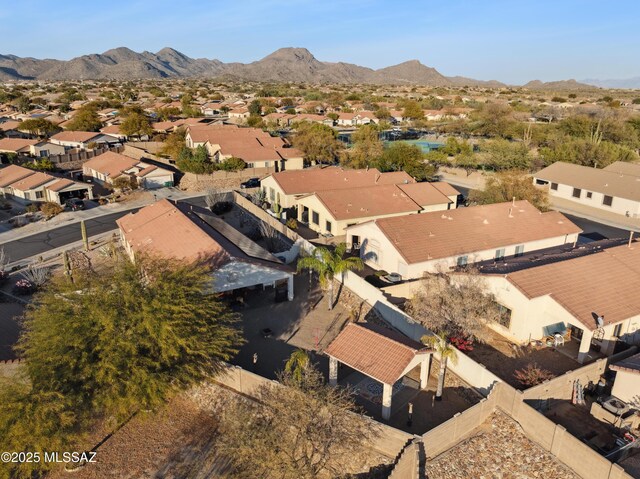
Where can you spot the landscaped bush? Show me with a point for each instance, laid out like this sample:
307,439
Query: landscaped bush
292,223
532,375
50,209
463,344
32,208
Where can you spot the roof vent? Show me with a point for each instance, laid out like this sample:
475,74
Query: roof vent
485,222
444,217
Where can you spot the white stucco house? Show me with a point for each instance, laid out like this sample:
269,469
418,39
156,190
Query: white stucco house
438,241
626,385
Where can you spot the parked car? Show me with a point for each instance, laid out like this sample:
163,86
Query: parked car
75,204
393,278
251,183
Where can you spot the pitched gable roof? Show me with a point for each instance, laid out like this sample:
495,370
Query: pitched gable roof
111,164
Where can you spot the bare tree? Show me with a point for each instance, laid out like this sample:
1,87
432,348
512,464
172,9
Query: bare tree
454,306
213,196
37,274
4,259
271,237
303,429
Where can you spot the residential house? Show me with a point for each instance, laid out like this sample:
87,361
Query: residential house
239,113
289,186
626,385
82,139
614,189
211,109
330,212
113,130
25,185
191,234
17,146
357,119
256,147
594,297
9,129
435,241
105,168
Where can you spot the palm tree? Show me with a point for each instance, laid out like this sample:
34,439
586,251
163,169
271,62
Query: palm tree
297,364
329,263
446,352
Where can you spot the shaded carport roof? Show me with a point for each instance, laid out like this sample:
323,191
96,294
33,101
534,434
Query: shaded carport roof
378,352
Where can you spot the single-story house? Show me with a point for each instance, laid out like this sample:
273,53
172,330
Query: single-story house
288,186
430,242
25,185
189,233
626,385
82,139
594,297
357,119
330,212
113,130
615,188
30,147
9,129
105,168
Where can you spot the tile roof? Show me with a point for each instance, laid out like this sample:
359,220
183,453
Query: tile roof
445,188
311,180
9,125
12,173
61,184
16,144
378,352
32,181
75,136
425,194
604,283
615,182
630,365
443,234
111,164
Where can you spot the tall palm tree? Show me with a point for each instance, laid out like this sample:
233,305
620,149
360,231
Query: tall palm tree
297,364
329,263
446,352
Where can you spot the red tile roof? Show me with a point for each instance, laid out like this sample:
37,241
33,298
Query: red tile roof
12,173
16,144
111,164
75,136
378,352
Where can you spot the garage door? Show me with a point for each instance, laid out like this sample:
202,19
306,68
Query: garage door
157,182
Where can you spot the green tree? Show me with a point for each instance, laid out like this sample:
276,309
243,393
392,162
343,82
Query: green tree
195,161
318,142
233,164
85,119
506,155
22,103
328,264
413,110
366,150
255,108
446,353
136,124
296,365
506,185
38,126
174,143
401,156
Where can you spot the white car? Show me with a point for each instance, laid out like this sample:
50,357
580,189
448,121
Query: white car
393,278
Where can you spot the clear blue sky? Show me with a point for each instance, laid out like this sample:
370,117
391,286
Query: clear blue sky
509,40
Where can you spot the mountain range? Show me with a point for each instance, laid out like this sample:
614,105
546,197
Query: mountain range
283,65
626,83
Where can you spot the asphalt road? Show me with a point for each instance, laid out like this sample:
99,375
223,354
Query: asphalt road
40,243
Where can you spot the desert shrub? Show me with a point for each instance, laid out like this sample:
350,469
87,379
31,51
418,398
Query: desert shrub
51,209
292,223
532,375
32,208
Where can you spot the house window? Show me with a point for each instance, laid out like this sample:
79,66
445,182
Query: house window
577,192
39,195
607,200
462,261
519,250
500,254
617,330
504,316
272,194
267,164
251,165
315,218
541,182
27,195
589,194
328,226
554,186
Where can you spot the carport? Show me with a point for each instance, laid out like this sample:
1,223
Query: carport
379,353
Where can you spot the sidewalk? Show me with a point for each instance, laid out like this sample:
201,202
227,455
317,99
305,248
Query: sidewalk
594,214
71,217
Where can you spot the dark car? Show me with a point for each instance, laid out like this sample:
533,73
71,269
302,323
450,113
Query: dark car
75,204
251,183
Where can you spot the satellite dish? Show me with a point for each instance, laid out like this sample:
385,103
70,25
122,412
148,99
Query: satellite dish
600,321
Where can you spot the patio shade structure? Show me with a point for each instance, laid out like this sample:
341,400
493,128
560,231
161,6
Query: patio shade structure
379,353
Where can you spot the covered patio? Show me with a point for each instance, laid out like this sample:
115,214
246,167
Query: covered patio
380,354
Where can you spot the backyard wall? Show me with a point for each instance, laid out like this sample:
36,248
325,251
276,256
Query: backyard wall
389,442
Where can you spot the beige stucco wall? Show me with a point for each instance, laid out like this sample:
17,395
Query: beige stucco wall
619,205
627,387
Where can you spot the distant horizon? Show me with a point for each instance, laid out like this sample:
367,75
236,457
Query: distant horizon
497,40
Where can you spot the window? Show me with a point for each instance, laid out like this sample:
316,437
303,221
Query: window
462,261
589,194
328,226
519,250
541,182
315,218
39,195
617,330
554,186
251,165
607,200
504,316
500,254
27,195
577,192
267,164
